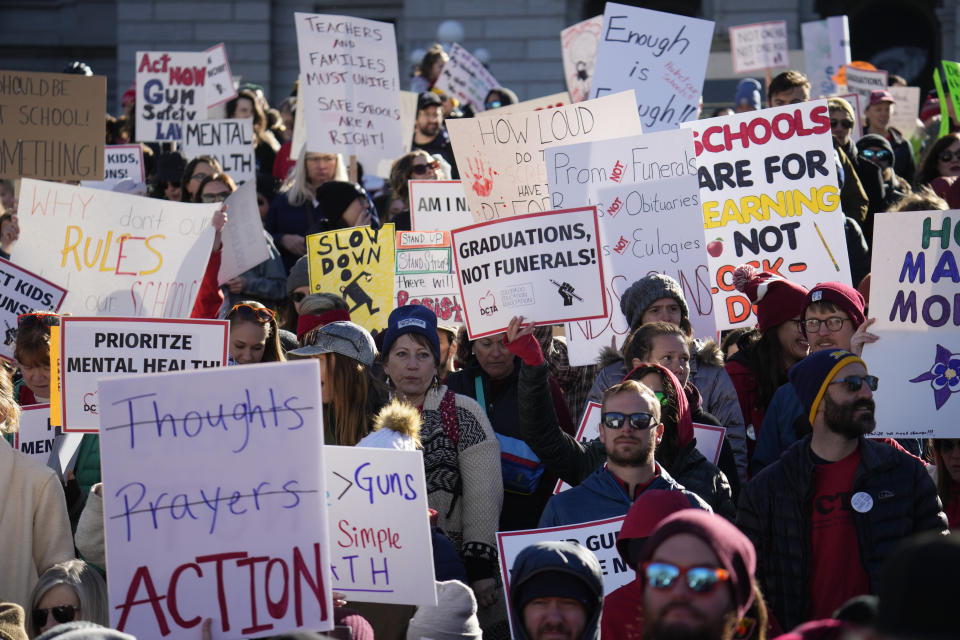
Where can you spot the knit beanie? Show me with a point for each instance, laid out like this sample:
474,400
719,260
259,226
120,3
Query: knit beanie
336,195
412,318
777,300
299,275
748,93
455,615
812,375
874,140
842,295
12,622
644,292
732,548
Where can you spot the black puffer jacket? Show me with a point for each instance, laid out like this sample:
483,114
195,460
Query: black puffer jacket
774,513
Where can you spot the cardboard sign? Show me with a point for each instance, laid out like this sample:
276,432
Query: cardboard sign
662,57
578,45
648,202
768,189
35,435
22,292
552,101
380,540
438,205
543,266
52,125
589,424
465,78
230,141
913,296
863,81
907,109
171,91
501,157
826,48
220,87
213,502
122,163
93,348
425,274
759,46
358,264
244,245
116,254
350,87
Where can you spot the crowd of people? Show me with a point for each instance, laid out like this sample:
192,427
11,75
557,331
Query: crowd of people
804,527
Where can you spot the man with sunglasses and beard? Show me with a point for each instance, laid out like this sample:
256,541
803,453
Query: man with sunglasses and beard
826,515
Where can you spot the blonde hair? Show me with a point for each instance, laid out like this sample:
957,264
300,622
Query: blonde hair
298,189
8,405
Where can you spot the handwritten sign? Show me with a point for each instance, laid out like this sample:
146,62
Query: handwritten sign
544,266
408,115
230,141
425,274
94,348
244,245
904,114
122,162
465,78
350,87
171,91
501,157
213,501
914,298
759,46
769,194
219,80
438,205
826,48
358,264
863,81
22,292
116,254
662,57
578,45
379,526
648,203
51,125
552,101
35,435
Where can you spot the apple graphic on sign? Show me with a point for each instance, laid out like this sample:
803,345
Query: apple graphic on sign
488,305
715,248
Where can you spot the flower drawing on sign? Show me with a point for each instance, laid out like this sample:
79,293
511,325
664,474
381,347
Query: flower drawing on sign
482,184
944,375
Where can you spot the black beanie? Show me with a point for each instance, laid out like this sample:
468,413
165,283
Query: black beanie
335,196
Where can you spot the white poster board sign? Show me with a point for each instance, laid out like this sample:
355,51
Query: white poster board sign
662,57
759,46
465,78
121,162
578,46
22,292
589,428
35,435
229,140
171,91
913,296
501,157
220,87
862,82
379,526
907,109
770,198
709,440
116,254
438,205
244,245
213,486
95,348
552,101
826,48
543,266
425,274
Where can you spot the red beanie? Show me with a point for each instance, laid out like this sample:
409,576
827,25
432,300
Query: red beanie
776,298
840,295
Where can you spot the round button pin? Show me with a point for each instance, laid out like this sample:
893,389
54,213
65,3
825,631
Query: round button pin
861,502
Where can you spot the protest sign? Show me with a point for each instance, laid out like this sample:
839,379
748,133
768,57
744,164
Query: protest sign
51,125
116,254
863,81
230,141
709,440
55,376
501,157
543,266
121,162
578,45
662,57
425,274
648,201
826,48
380,539
93,348
759,46
465,78
951,77
358,264
915,299
244,245
219,80
552,101
35,435
438,205
22,292
904,113
350,87
171,91
589,428
213,495
768,189
857,131
408,115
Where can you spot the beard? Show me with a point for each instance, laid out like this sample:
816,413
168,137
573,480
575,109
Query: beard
553,627
640,455
840,419
722,629
430,129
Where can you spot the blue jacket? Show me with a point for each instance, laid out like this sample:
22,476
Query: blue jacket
778,431
600,496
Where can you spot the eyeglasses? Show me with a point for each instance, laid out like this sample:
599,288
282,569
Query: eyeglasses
63,613
855,382
298,296
420,169
834,323
846,124
262,314
638,421
702,580
215,197
199,176
947,156
876,154
30,320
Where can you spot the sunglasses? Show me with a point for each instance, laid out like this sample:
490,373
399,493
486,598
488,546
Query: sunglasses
846,124
615,420
421,169
834,323
63,613
702,580
298,296
215,197
854,383
30,320
878,154
947,156
494,104
245,310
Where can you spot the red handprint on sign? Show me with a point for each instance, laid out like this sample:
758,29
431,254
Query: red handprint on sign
482,185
